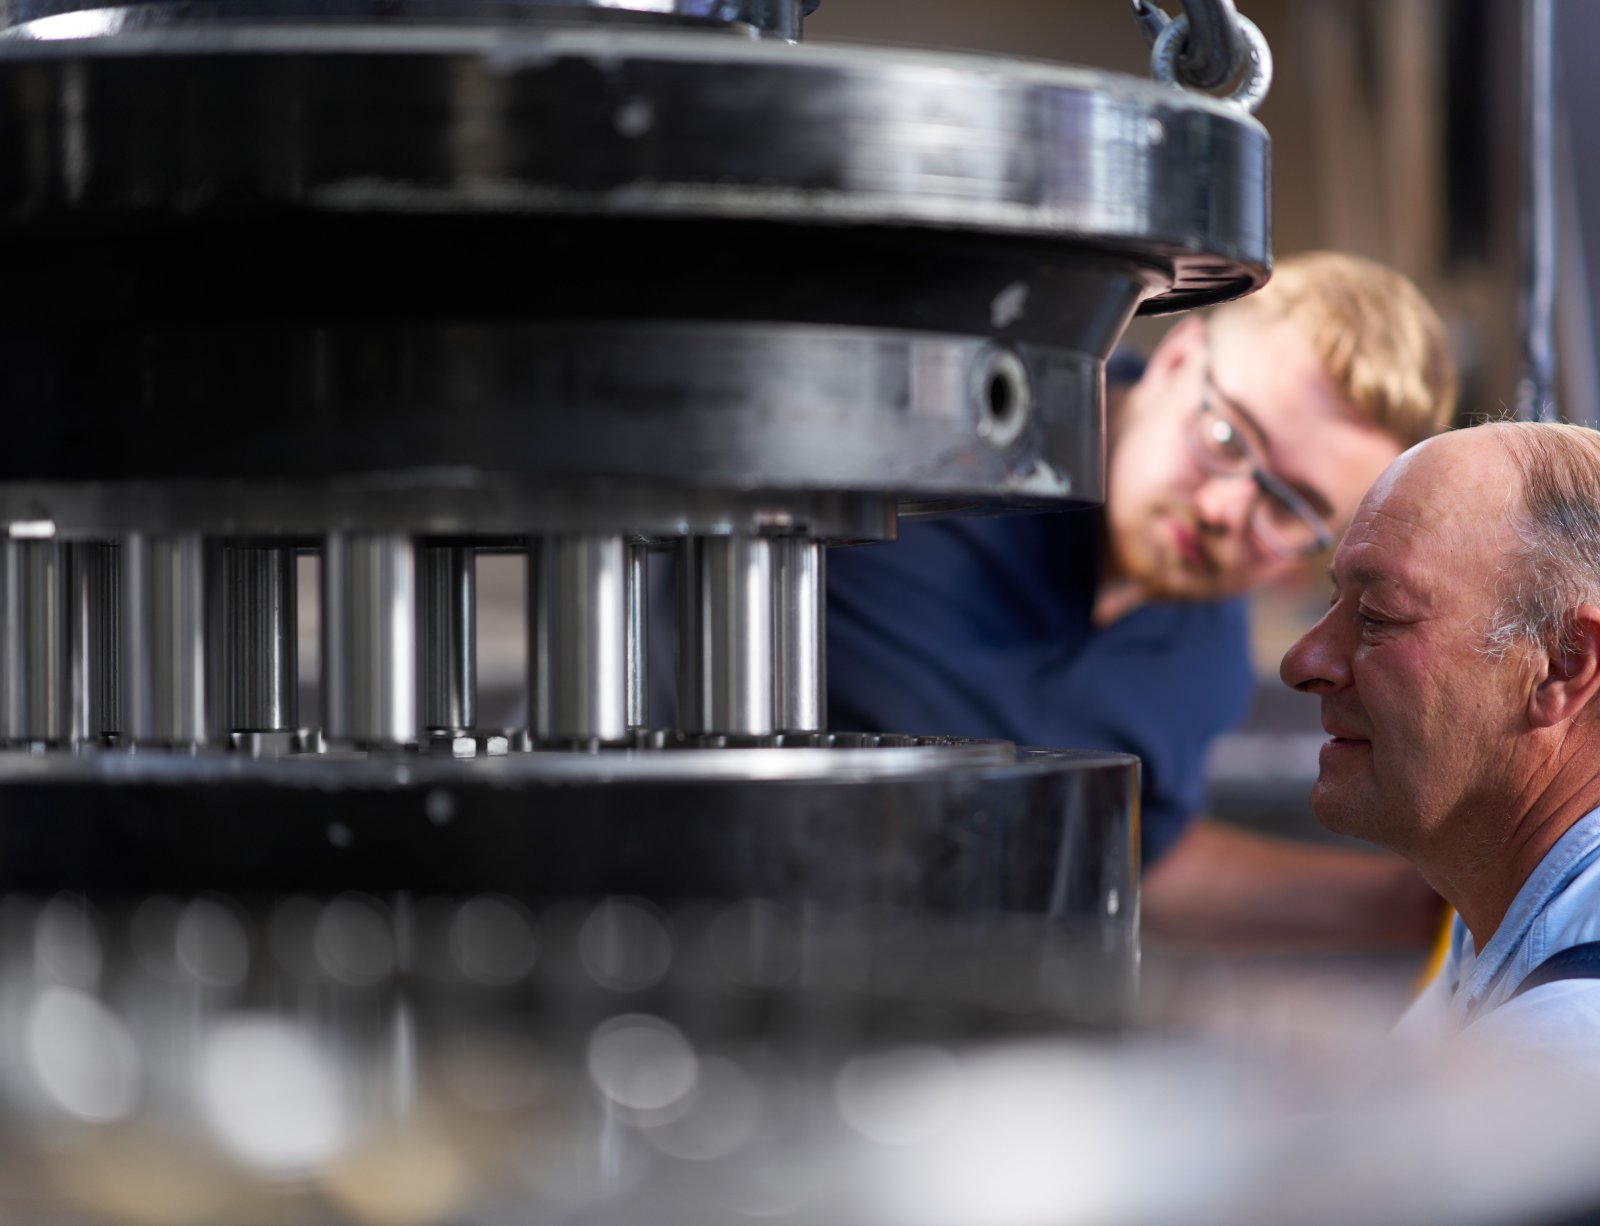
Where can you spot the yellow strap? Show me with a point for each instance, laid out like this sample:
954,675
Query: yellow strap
1441,950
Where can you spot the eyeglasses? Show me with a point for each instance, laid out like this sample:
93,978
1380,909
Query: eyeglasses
1282,521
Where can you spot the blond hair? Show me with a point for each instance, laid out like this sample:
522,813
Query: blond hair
1380,342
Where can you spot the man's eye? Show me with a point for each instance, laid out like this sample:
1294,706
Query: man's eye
1227,441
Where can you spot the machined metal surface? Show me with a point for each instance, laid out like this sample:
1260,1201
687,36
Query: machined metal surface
47,20
638,645
171,631
447,582
579,620
495,508
727,659
785,408
261,653
1000,147
96,646
938,291
951,828
369,640
800,646
36,627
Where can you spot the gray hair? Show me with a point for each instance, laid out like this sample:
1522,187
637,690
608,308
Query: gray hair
1556,565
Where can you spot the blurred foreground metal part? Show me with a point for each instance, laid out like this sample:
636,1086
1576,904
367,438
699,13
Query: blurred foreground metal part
381,1060
385,294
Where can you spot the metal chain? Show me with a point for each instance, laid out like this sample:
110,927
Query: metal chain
1151,20
1214,52
1208,46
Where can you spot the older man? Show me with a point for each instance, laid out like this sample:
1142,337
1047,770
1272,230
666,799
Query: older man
1459,672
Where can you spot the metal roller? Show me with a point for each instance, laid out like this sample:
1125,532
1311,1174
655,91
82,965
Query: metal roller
96,640
369,640
800,640
261,646
578,649
170,639
447,580
638,634
35,642
726,657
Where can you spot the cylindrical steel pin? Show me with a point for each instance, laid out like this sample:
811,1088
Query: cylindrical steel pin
35,642
96,640
262,654
447,580
578,638
798,607
725,644
638,634
369,639
169,640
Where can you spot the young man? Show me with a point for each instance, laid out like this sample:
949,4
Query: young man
1238,455
1459,673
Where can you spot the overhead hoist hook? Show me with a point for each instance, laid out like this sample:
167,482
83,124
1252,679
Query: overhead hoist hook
1205,47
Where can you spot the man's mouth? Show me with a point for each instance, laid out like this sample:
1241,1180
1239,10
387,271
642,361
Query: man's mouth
1187,542
1343,738
1345,729
1343,732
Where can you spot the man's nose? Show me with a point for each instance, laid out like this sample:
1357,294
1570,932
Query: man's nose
1316,662
1222,503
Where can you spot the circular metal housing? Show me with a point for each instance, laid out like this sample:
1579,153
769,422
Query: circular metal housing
922,827
466,260
942,825
49,20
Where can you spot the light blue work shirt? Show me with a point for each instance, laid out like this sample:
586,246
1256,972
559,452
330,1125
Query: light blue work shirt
1557,907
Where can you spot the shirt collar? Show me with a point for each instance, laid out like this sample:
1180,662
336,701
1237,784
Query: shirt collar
1509,950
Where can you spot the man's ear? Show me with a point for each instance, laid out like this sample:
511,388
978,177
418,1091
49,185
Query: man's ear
1571,677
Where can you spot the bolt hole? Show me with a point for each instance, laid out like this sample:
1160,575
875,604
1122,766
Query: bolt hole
1004,399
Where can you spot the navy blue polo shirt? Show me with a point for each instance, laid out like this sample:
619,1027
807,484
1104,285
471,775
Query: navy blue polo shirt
981,628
